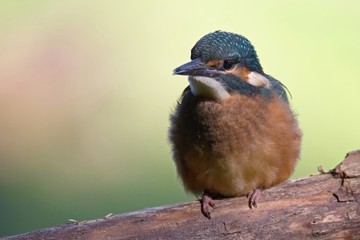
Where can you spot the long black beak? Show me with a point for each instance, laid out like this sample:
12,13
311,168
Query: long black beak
195,68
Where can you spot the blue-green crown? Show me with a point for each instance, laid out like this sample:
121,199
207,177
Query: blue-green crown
225,45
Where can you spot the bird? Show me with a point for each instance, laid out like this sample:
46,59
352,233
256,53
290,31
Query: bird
232,131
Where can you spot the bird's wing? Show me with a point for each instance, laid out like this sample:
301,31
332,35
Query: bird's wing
279,88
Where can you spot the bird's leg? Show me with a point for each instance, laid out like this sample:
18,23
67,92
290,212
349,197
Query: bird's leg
206,203
254,196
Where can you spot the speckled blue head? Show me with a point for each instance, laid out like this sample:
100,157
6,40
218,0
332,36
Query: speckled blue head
224,63
225,45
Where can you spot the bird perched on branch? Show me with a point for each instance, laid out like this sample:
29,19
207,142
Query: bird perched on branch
232,131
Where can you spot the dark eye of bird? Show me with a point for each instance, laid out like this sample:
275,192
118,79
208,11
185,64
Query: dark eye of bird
229,64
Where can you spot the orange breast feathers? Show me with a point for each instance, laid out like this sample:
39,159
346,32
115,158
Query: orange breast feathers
233,146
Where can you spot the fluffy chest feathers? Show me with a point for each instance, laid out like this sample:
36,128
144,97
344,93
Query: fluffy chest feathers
233,146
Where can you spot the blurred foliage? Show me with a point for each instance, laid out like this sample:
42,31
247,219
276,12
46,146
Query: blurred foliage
86,88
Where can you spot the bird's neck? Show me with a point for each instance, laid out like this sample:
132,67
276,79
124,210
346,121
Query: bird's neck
208,87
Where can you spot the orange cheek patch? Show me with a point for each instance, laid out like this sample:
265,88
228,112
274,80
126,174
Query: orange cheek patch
214,63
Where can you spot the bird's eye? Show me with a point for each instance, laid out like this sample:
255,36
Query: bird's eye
228,64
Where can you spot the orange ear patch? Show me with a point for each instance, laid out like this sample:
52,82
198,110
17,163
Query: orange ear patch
241,72
253,78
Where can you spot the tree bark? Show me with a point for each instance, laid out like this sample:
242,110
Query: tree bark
322,206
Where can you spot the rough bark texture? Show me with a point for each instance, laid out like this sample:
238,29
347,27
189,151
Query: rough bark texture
323,206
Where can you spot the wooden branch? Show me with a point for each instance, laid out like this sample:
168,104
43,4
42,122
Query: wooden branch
323,206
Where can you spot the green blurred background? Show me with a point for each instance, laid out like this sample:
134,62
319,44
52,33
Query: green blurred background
86,88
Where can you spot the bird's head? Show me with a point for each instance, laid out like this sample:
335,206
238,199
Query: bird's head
223,63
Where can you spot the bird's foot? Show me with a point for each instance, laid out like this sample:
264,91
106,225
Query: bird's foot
206,203
254,196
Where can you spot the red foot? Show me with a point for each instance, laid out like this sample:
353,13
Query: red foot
254,196
206,203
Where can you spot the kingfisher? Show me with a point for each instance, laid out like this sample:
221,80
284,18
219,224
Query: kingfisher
232,132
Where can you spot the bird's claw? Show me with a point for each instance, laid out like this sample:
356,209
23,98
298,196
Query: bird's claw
254,196
206,203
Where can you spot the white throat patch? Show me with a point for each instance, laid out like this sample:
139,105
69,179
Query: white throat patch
207,87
